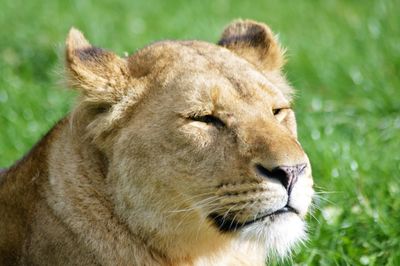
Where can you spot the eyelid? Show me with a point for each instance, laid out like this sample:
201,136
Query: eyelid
209,119
278,109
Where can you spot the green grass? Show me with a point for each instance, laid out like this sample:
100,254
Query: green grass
344,60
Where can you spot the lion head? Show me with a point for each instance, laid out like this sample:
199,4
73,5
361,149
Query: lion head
199,140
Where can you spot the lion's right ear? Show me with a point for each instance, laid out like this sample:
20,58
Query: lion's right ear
100,75
255,42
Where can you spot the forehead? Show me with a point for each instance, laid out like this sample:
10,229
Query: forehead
207,68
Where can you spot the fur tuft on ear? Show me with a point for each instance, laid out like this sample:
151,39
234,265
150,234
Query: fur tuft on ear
76,40
255,42
101,75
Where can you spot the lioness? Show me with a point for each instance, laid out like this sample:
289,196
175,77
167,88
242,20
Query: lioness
184,153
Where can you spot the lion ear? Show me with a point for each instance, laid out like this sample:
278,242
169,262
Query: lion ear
255,42
100,75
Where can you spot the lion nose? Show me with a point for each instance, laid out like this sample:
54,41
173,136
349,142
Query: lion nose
287,175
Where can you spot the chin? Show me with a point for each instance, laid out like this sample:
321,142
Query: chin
278,235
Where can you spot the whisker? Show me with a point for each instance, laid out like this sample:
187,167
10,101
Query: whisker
188,199
195,206
204,205
319,198
327,192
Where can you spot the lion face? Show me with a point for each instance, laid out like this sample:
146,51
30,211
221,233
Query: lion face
200,139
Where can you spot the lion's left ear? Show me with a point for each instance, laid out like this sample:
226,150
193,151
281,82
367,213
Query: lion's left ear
255,42
100,75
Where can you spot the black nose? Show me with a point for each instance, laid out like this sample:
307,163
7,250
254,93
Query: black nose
287,175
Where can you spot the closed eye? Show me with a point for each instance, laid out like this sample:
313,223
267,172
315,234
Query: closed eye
276,111
209,119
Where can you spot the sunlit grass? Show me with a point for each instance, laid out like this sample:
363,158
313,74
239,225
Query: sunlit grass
344,60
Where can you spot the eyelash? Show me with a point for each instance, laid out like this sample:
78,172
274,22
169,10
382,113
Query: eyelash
209,119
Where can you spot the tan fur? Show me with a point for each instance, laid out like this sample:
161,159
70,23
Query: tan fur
132,177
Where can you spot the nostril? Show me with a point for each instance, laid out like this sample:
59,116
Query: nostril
276,173
286,175
263,171
282,176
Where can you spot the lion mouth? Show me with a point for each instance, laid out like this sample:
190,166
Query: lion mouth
225,224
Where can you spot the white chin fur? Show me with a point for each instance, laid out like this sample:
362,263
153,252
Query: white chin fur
278,235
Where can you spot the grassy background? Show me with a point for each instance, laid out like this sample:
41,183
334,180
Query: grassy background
344,60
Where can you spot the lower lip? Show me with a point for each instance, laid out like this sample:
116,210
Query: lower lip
275,213
231,226
284,210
